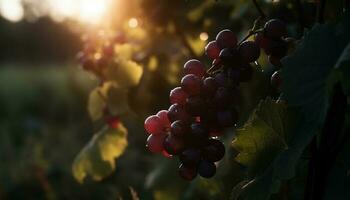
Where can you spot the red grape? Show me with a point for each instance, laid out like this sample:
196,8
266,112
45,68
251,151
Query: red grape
179,128
249,51
178,95
206,169
187,173
212,50
178,112
191,84
226,38
275,29
154,125
155,143
214,151
173,145
194,67
163,115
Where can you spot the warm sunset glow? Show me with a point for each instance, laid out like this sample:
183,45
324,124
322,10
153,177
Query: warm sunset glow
93,10
133,23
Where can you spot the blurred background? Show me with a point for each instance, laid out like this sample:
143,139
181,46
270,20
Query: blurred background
44,122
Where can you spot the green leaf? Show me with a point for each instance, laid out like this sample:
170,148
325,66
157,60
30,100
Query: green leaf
126,73
110,96
262,137
343,69
97,158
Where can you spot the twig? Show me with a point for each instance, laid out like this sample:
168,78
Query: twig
262,14
320,11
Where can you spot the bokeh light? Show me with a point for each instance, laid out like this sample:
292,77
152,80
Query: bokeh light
203,36
133,23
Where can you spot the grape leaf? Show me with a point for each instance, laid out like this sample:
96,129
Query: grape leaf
305,79
97,158
126,73
343,69
110,96
262,137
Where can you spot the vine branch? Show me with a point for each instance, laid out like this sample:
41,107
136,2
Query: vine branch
261,12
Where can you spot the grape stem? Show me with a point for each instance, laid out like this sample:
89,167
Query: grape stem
262,14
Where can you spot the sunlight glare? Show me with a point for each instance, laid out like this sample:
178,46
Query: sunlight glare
11,10
203,36
93,10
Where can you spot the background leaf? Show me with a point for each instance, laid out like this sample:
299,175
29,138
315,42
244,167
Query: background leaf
97,158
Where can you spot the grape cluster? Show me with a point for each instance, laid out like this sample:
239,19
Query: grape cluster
98,51
206,102
273,39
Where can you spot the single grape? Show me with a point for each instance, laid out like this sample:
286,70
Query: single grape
249,51
155,143
187,172
163,115
113,121
277,48
179,128
154,125
227,118
173,145
275,61
190,157
212,50
178,112
221,79
230,57
275,29
222,98
191,84
226,38
166,154
276,80
199,135
214,150
209,87
194,67
195,105
261,40
178,95
216,62
206,169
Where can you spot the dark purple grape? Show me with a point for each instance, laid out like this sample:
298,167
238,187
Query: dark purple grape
173,145
277,48
275,61
153,125
199,135
227,118
221,79
190,157
226,38
178,95
178,112
276,80
212,50
209,87
230,57
249,51
155,143
275,29
233,75
187,172
195,105
222,98
214,150
191,84
206,169
246,73
261,40
179,128
194,67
